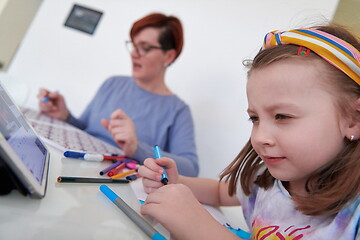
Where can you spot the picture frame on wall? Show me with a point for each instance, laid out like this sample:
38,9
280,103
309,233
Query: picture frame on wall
83,19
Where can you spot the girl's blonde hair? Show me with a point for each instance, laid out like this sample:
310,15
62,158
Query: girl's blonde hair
333,186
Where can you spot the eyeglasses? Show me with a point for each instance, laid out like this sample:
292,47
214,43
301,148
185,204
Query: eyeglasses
141,49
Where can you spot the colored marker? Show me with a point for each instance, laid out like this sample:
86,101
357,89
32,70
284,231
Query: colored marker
92,156
132,214
133,177
116,170
89,180
45,99
129,160
123,174
112,166
238,232
112,157
131,165
100,157
72,154
164,177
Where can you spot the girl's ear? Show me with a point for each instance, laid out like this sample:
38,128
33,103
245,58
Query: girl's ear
353,131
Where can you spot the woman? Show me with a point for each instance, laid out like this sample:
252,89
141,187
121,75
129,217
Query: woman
138,112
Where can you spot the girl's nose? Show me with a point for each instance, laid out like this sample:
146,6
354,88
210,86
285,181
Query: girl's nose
262,135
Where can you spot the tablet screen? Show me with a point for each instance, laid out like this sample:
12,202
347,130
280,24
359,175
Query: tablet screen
21,137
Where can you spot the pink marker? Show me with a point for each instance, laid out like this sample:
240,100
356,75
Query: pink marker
132,165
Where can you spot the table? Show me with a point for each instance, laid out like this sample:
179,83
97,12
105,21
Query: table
71,210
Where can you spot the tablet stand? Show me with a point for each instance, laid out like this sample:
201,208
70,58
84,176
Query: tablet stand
8,180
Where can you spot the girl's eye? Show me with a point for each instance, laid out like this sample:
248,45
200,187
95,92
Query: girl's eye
253,119
281,116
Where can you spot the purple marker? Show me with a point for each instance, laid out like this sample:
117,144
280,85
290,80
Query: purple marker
114,165
128,160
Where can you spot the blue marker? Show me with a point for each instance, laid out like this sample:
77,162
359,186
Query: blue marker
45,99
238,232
134,216
71,154
164,177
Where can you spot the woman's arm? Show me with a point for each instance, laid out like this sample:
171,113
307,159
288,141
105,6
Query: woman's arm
179,146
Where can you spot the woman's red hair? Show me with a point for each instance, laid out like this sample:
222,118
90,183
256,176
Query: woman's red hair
171,36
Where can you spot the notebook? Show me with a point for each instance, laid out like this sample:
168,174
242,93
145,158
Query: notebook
24,159
66,137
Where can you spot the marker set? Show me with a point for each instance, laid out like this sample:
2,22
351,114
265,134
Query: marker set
114,171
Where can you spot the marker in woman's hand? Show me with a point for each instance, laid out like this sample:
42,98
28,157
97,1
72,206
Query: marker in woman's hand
45,99
164,177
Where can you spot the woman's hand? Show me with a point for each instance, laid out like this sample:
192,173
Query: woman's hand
54,104
122,130
152,171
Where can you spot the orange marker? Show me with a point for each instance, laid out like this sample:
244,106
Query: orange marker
124,174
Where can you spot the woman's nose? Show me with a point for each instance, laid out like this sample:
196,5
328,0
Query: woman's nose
135,53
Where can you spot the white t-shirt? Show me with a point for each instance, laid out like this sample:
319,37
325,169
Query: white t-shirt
271,214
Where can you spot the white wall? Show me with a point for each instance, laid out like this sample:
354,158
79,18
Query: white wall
209,74
2,5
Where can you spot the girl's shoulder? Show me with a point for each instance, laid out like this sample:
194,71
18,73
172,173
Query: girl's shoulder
352,211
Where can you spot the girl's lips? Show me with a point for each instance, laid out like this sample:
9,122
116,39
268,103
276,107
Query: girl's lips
273,160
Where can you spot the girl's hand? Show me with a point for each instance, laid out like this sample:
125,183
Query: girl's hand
178,210
53,104
122,130
152,171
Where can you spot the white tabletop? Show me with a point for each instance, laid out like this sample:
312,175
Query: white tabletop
70,210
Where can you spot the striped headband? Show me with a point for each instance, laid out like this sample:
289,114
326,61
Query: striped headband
334,50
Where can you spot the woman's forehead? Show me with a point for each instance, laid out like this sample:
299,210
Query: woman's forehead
147,35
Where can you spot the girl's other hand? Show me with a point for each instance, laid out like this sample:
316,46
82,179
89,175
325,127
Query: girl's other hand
178,210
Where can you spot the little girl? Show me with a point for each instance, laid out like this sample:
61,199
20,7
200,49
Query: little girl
298,177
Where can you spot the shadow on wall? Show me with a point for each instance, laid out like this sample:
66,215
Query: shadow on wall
347,14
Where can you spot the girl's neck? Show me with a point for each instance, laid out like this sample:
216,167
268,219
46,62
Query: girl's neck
156,86
295,188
